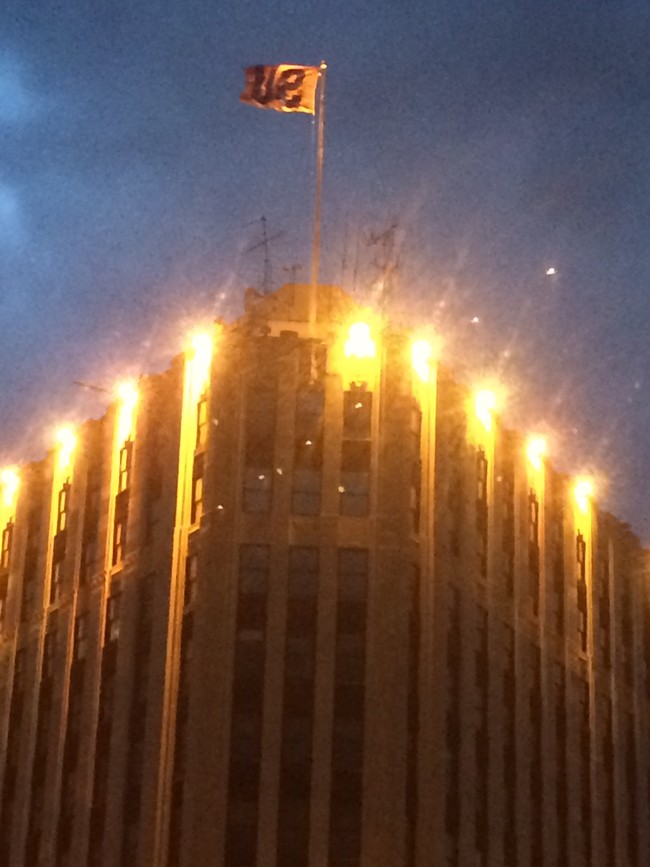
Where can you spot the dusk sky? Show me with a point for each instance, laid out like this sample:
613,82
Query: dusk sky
501,139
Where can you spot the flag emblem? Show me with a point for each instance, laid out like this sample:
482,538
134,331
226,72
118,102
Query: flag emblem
282,88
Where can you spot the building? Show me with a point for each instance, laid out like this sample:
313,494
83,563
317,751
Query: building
303,601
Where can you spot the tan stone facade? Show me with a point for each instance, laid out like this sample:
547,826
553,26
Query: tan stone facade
299,606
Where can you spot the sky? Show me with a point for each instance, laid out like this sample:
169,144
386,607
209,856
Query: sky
470,146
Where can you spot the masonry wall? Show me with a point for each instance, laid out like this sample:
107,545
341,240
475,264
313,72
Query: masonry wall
295,606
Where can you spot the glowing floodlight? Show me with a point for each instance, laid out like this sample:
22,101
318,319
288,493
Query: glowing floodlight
67,440
10,481
127,393
484,405
360,343
583,492
421,355
536,451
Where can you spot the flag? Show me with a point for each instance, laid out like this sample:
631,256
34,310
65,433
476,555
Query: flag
282,88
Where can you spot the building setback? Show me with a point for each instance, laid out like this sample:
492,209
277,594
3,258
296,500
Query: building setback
303,601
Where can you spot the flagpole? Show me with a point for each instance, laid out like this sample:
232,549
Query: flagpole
315,260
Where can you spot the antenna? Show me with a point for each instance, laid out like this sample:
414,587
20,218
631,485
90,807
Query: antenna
292,271
387,261
265,242
89,387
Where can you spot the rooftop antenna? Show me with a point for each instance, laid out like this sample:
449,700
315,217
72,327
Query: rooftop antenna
265,243
292,271
387,261
89,387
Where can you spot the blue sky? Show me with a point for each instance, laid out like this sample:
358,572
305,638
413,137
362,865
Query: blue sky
500,138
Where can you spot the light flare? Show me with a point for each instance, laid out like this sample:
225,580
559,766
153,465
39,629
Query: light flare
536,452
360,343
67,441
127,393
201,361
582,492
10,482
421,355
484,405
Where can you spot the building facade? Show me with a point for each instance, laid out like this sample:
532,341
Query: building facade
302,599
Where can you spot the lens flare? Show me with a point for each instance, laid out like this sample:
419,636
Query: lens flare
583,491
536,451
484,405
360,343
10,482
421,355
67,441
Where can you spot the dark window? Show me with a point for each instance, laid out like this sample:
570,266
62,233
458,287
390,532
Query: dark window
357,412
202,421
56,580
247,705
191,575
508,526
482,512
113,612
258,490
533,551
416,468
126,457
196,511
581,555
355,478
80,648
119,540
349,701
62,508
49,654
5,550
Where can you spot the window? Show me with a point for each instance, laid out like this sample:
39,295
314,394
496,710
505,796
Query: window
557,562
126,455
355,478
56,580
80,647
357,412
113,609
482,511
581,558
202,421
49,655
261,407
62,508
196,511
258,487
349,701
306,492
508,527
4,586
533,550
5,549
119,541
308,452
416,467
191,575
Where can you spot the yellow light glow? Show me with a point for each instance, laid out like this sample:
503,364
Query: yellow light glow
484,405
10,482
67,441
360,343
421,355
536,451
200,364
127,393
583,492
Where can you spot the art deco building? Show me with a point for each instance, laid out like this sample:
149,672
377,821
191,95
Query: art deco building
303,601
